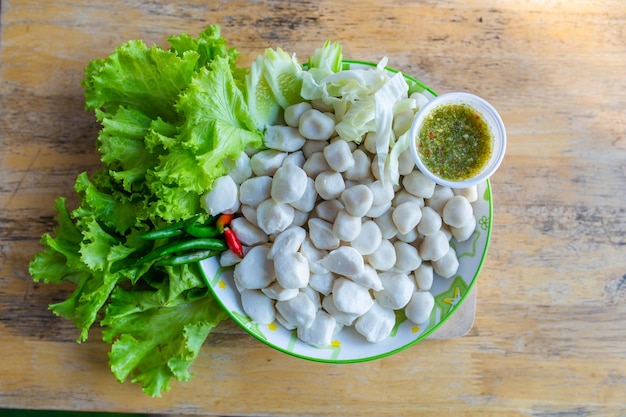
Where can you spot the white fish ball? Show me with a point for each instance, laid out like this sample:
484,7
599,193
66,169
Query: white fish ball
320,332
277,292
283,138
406,164
229,258
346,319
461,234
418,184
267,161
315,165
299,311
344,260
312,147
376,324
376,169
409,237
313,256
289,240
406,216
291,269
351,297
439,198
255,190
292,113
283,322
369,143
249,213
360,170
322,283
404,196
255,271
407,257
274,217
239,169
368,239
368,278
328,209
386,224
424,276
321,234
420,307
471,193
257,306
434,246
447,265
295,158
402,122
346,226
378,210
430,222
315,125
357,199
383,192
329,184
299,217
397,290
223,196
306,203
339,156
247,233
384,257
289,184
457,211
446,230
315,296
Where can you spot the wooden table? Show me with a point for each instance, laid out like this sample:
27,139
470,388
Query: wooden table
549,336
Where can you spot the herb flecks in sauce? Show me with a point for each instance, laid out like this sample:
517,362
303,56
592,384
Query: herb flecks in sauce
455,142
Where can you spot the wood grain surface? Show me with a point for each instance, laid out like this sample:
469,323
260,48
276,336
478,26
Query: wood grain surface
549,336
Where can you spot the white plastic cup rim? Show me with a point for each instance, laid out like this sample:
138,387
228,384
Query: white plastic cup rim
494,123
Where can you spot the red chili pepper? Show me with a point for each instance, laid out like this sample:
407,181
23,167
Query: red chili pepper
223,221
233,242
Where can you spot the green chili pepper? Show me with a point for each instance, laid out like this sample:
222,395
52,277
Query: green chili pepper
181,246
173,230
187,258
196,228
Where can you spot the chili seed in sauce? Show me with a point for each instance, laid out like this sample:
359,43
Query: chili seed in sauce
455,142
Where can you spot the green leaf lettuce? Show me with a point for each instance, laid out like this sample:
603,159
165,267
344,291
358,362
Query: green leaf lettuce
170,119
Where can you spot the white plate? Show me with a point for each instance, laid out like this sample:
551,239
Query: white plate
348,346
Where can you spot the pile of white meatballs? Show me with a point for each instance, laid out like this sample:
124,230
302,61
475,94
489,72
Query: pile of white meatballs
328,241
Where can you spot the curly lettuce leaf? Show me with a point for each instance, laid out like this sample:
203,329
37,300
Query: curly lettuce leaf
209,45
135,76
60,259
170,117
157,335
122,146
218,127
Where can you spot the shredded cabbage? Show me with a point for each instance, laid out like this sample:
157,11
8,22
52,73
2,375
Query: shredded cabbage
365,100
